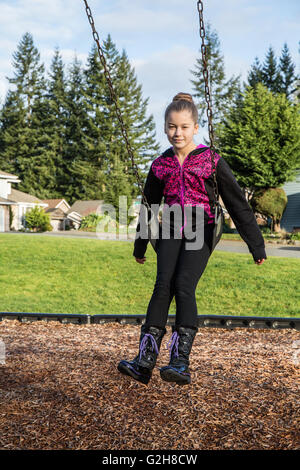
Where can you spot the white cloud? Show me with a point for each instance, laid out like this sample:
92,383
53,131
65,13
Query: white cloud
137,63
163,75
166,70
161,37
55,19
141,20
66,54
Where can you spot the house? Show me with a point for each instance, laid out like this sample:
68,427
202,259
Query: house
291,217
14,203
60,215
81,209
84,208
57,209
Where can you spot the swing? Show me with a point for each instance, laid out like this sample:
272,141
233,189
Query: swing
153,222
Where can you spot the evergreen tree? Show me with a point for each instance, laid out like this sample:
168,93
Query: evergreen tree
287,69
255,75
106,142
37,162
140,128
62,136
119,183
12,132
25,140
223,91
29,73
296,94
271,73
103,137
260,139
80,174
278,78
56,121
98,126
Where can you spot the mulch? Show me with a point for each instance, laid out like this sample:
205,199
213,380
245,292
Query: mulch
60,389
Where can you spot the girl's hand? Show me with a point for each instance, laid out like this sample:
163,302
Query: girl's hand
141,260
260,261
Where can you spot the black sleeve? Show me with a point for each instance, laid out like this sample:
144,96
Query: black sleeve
239,210
153,191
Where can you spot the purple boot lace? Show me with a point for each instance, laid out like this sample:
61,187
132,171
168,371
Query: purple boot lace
144,344
174,343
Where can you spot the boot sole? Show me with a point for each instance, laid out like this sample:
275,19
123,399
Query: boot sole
170,375
127,369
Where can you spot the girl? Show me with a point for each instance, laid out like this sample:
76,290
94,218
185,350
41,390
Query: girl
183,174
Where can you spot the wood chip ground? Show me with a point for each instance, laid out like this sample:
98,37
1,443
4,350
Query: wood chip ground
60,389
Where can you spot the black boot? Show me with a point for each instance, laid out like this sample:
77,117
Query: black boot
141,367
181,345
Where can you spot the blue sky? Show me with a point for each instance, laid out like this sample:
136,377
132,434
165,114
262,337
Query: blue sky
161,37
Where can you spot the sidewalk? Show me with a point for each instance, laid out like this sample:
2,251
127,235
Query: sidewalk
235,246
272,249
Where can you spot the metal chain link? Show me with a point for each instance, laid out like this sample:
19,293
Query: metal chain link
207,96
115,100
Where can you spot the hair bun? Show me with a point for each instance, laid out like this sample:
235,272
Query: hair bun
183,96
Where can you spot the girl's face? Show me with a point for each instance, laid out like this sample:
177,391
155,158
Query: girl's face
180,129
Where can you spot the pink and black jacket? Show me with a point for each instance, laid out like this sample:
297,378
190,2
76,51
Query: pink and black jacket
192,184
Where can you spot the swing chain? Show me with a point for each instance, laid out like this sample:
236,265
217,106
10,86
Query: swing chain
118,112
208,98
114,99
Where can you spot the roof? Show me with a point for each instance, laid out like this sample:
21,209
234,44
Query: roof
19,196
85,207
7,201
55,202
74,216
55,213
8,175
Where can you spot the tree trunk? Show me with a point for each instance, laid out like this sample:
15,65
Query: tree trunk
276,226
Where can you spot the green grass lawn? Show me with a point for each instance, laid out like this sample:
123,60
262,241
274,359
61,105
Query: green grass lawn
67,275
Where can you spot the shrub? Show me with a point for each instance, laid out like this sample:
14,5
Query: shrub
91,220
37,220
265,229
270,202
295,236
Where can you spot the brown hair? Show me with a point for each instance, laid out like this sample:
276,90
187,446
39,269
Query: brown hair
182,101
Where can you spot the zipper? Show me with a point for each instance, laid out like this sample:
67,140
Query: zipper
182,197
182,190
182,184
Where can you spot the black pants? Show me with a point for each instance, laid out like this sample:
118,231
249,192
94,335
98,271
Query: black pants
178,272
